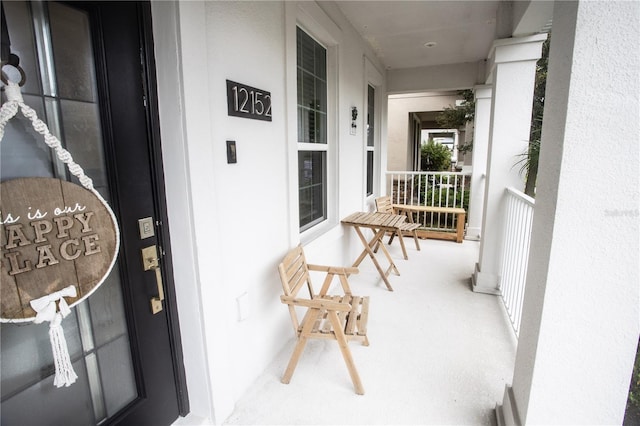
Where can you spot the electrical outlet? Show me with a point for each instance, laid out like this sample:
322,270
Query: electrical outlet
243,306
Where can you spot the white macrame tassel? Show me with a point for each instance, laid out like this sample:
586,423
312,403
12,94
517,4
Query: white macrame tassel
47,310
65,375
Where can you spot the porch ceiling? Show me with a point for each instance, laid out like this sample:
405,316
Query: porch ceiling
398,30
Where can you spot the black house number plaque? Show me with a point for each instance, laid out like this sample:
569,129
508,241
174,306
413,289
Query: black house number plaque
248,102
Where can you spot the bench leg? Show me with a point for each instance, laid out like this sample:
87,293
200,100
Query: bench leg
460,227
414,232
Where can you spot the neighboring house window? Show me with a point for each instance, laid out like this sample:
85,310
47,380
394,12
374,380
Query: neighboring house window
371,94
312,130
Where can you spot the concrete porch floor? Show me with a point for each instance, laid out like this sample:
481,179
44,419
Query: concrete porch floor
438,354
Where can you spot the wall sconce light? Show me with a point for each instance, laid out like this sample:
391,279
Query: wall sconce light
354,117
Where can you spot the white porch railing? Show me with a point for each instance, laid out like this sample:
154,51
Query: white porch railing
442,189
515,253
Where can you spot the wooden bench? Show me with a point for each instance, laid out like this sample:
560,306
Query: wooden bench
460,220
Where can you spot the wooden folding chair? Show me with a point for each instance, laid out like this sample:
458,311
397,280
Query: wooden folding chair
340,317
384,205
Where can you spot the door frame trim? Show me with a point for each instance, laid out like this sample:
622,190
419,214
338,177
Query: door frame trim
153,123
149,81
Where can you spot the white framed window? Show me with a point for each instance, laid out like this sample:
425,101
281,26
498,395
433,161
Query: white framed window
375,156
371,138
311,67
313,41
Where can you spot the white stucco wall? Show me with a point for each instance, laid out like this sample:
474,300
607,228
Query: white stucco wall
436,78
171,93
232,223
400,106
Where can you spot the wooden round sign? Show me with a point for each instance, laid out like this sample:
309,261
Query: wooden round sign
54,234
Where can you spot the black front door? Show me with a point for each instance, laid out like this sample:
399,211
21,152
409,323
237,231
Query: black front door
90,77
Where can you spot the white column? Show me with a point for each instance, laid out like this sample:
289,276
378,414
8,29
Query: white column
482,117
512,76
580,321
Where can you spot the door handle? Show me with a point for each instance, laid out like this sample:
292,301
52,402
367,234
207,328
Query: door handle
150,261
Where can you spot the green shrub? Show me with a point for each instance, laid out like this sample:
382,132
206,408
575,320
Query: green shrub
455,117
434,157
434,194
437,195
632,415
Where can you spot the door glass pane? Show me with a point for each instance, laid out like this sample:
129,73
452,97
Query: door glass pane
43,404
23,151
26,351
22,42
117,374
81,128
70,34
63,93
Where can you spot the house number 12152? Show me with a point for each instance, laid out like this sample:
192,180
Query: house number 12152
248,102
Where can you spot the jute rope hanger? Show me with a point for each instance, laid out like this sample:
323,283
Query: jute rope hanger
53,307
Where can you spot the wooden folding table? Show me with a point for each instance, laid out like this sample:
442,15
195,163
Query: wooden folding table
380,223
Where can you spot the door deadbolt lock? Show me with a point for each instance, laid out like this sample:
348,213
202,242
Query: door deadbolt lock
150,261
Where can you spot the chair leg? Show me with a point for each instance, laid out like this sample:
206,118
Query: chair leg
404,249
293,362
346,353
393,234
302,341
415,238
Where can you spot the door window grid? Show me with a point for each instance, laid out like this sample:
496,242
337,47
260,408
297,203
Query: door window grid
92,340
312,129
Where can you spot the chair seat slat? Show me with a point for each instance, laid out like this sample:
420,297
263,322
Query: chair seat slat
353,315
364,317
322,317
344,315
